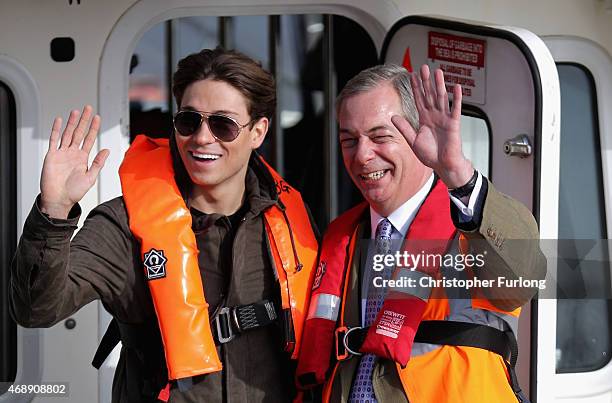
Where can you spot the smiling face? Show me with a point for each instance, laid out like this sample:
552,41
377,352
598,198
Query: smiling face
211,164
376,155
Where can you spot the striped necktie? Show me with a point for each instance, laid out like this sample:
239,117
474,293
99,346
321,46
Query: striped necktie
362,390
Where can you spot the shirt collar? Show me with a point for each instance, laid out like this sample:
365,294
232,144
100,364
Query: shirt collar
402,217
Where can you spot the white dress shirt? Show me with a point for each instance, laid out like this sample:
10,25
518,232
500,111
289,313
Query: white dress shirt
401,219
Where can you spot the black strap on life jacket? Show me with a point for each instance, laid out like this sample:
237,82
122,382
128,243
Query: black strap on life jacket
145,368
230,322
452,333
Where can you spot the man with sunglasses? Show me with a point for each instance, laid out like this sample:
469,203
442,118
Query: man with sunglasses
205,262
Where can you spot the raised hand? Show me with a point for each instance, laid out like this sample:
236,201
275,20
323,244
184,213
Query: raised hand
438,141
66,176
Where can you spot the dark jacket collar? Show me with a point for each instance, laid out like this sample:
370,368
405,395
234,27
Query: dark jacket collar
260,186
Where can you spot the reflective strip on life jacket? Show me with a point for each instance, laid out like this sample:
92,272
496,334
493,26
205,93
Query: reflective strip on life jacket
459,306
413,283
318,331
324,306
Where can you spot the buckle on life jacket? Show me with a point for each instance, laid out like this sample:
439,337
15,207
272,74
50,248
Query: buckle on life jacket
222,321
349,341
229,322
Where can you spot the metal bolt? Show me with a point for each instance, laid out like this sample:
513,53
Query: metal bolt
70,323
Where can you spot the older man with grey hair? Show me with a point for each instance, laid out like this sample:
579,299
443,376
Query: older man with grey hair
392,332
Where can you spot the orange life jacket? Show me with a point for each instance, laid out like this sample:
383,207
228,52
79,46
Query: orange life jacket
469,374
161,222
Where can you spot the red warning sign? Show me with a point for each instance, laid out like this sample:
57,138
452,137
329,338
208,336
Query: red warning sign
456,49
463,61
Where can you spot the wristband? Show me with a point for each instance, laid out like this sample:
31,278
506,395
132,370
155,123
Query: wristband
466,189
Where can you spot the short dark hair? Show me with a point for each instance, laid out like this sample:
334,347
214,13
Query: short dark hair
234,68
238,70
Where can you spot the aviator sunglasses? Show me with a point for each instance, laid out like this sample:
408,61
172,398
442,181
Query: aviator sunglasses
222,127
